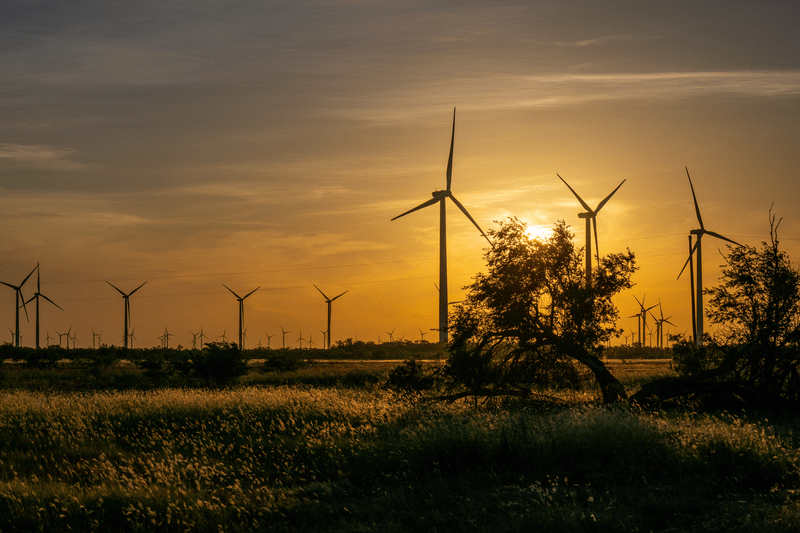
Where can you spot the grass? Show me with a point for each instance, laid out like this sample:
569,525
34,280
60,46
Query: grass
325,448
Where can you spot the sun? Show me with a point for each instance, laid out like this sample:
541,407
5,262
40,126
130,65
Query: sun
540,232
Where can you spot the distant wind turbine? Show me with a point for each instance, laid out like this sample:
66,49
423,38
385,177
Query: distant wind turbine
36,296
95,338
698,248
324,336
643,317
329,301
269,340
241,299
591,220
283,336
441,197
202,336
127,307
194,340
391,335
19,297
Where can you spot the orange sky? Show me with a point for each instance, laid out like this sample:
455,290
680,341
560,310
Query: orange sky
270,145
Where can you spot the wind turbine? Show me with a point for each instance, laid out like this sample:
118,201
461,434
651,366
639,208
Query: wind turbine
660,325
62,335
241,299
301,339
223,337
269,340
391,335
202,336
283,336
698,248
47,339
132,336
441,197
127,307
36,296
194,340
165,337
643,314
591,220
95,337
18,291
422,334
74,338
329,301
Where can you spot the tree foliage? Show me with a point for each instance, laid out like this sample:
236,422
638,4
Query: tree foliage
530,318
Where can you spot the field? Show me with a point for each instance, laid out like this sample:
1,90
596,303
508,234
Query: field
328,448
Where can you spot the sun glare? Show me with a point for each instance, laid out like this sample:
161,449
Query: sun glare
540,232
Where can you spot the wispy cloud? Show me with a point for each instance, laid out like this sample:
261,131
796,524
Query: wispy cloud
40,157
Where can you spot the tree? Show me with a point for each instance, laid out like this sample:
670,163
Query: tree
757,304
528,320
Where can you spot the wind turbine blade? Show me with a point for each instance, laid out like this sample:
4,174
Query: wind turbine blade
696,207
450,159
24,308
420,206
607,198
322,293
237,296
596,246
122,293
29,275
463,210
49,300
690,255
345,292
637,301
589,209
136,289
9,285
251,292
718,236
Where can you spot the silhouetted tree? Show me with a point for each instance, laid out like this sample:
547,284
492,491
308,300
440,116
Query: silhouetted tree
530,318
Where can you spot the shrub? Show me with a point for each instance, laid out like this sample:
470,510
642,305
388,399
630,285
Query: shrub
410,376
689,359
220,363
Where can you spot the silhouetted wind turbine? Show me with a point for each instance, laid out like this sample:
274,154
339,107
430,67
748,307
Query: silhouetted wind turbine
591,220
643,313
422,334
283,336
241,299
19,297
391,335
194,340
698,248
36,296
329,301
127,307
441,197
95,337
660,325
269,340
324,336
47,339
202,336
223,337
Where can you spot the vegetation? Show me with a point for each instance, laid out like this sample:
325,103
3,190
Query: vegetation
315,459
531,322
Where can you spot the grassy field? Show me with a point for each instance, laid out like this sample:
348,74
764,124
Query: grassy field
326,448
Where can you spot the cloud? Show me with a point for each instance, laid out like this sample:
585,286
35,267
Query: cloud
40,157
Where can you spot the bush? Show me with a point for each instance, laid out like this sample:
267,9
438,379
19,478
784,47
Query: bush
689,359
410,376
220,363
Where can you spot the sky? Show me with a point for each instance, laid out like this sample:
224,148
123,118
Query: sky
268,144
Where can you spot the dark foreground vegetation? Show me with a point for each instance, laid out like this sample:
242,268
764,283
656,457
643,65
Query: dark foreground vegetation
331,446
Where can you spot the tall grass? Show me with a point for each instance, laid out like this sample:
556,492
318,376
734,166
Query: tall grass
313,459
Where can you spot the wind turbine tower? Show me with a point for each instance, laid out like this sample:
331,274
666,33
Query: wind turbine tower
127,307
591,220
241,311
329,302
698,248
441,197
